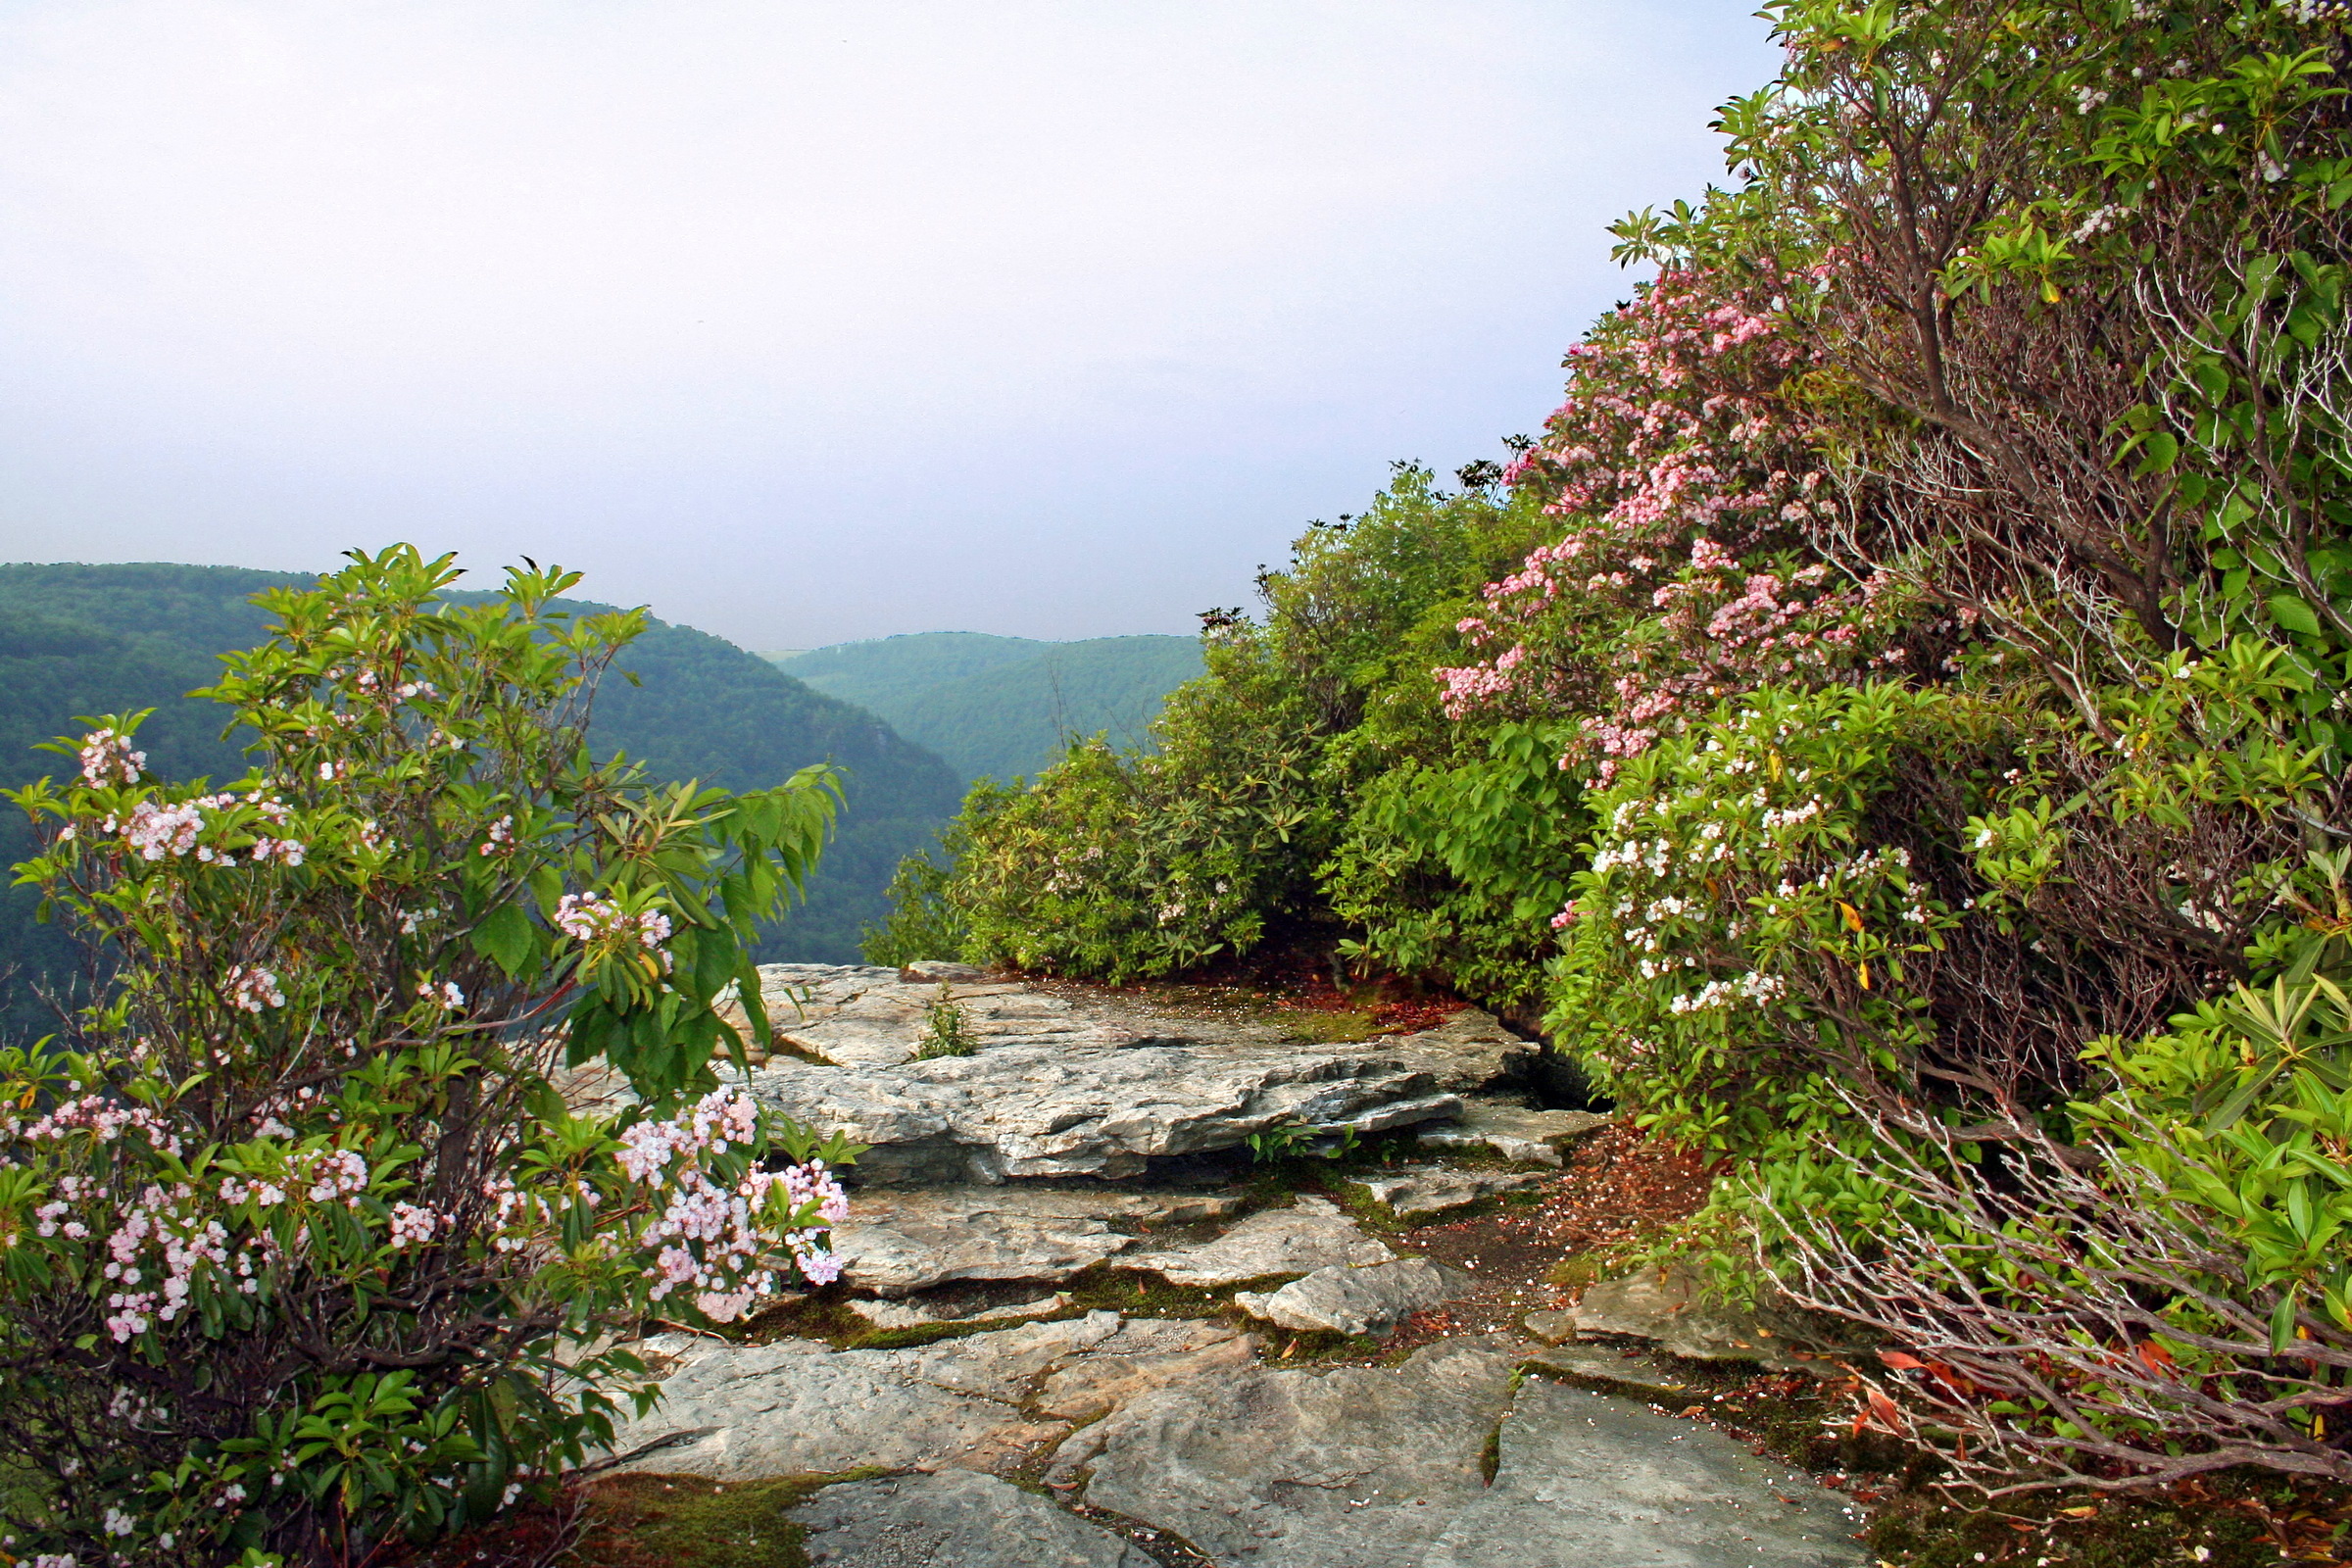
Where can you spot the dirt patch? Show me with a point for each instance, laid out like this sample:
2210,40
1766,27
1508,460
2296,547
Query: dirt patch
1617,1188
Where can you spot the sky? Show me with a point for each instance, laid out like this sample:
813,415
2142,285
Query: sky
808,323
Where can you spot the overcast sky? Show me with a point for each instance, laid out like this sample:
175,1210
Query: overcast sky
808,323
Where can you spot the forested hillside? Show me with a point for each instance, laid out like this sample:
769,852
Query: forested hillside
95,639
1003,707
1893,727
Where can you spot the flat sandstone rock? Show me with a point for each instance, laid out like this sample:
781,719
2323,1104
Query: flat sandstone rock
1433,1189
1372,1299
1312,1235
1360,1467
896,1242
1669,1307
1585,1479
953,1519
740,1412
1096,1085
1513,1131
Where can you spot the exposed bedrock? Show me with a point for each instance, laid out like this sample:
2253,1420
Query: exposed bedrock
1087,1084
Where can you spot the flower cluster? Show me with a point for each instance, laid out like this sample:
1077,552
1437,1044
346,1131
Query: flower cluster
1686,478
103,1117
250,990
155,831
713,1236
165,1238
591,917
107,758
412,1225
500,839
443,993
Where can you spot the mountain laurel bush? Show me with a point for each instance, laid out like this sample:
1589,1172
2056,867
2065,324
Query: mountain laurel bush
314,1227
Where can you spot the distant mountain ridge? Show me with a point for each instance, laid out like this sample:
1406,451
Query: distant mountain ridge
97,639
1002,707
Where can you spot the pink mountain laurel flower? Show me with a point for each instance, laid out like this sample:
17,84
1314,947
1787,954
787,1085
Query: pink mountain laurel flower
107,758
412,1225
252,990
500,839
156,831
709,1240
590,917
287,851
446,994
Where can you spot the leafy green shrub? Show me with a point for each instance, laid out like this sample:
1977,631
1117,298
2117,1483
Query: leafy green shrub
304,1246
946,1030
1457,871
922,922
2166,1293
1127,863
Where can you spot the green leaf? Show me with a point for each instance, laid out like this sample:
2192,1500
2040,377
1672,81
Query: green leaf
2295,614
2282,1322
507,938
2159,451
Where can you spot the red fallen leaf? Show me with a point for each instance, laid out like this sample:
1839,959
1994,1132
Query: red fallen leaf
1877,1410
1901,1362
2156,1357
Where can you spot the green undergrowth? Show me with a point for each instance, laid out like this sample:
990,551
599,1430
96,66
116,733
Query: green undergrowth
1915,1524
1924,1529
637,1521
1314,1027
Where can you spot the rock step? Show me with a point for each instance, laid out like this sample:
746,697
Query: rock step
1433,1189
953,1519
1670,1309
1101,1084
1179,1427
1369,1299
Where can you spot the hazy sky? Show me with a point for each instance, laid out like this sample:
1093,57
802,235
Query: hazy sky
803,323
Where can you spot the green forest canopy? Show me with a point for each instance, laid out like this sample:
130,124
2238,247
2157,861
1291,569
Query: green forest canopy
1002,707
95,639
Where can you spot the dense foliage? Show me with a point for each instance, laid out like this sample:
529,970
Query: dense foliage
1002,708
304,1243
1893,722
78,640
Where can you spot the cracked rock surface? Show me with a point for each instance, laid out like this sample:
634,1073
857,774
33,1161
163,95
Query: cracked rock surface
1300,1239
1093,1439
953,1517
1308,1470
1096,1085
1371,1300
896,1242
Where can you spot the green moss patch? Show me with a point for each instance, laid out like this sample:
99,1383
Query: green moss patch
637,1521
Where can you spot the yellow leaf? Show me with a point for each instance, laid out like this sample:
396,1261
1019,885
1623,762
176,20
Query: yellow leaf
1866,977
1854,916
